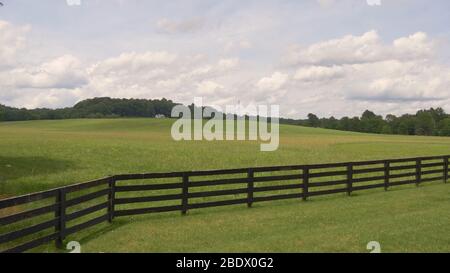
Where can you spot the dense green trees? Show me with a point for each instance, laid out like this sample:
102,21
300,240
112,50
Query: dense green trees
431,122
313,120
93,108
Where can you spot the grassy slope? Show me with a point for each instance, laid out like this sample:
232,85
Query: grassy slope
38,155
44,154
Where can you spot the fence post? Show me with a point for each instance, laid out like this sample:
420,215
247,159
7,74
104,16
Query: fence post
418,171
445,169
111,198
349,178
185,192
250,186
60,214
386,174
305,192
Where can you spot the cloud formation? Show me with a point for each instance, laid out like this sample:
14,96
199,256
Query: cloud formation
65,72
338,76
12,40
366,48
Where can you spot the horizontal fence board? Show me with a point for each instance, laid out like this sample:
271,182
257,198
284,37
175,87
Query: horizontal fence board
217,193
278,178
154,187
400,175
14,201
327,165
432,172
368,170
217,172
86,224
127,212
28,198
428,165
86,185
27,231
218,182
327,183
368,179
86,211
27,214
404,160
367,163
432,179
432,157
325,174
32,244
404,167
404,182
130,200
325,192
124,177
278,168
367,187
277,197
278,187
87,197
218,203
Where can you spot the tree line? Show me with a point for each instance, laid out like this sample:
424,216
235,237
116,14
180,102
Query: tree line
431,122
93,108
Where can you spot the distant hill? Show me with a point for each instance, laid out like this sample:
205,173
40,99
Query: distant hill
425,122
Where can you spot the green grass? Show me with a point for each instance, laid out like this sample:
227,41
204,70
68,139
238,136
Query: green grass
407,220
39,155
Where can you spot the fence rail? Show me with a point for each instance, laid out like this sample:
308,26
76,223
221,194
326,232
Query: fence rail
333,178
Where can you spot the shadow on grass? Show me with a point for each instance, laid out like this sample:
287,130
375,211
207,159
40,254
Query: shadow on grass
17,167
13,168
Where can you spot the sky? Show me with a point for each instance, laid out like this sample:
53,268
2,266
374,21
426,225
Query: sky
329,57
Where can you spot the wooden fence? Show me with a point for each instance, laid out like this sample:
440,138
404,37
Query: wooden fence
120,192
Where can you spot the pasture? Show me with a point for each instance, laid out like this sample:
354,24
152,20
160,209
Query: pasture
39,155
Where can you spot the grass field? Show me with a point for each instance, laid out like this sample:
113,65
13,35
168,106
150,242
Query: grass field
39,155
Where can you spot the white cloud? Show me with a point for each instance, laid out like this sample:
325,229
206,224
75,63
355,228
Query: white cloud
366,48
415,46
12,39
226,64
179,78
340,76
65,72
208,87
347,75
273,82
399,81
318,73
135,62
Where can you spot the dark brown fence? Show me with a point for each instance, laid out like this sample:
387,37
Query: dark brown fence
71,208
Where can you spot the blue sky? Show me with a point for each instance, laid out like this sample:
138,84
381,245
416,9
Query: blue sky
329,57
